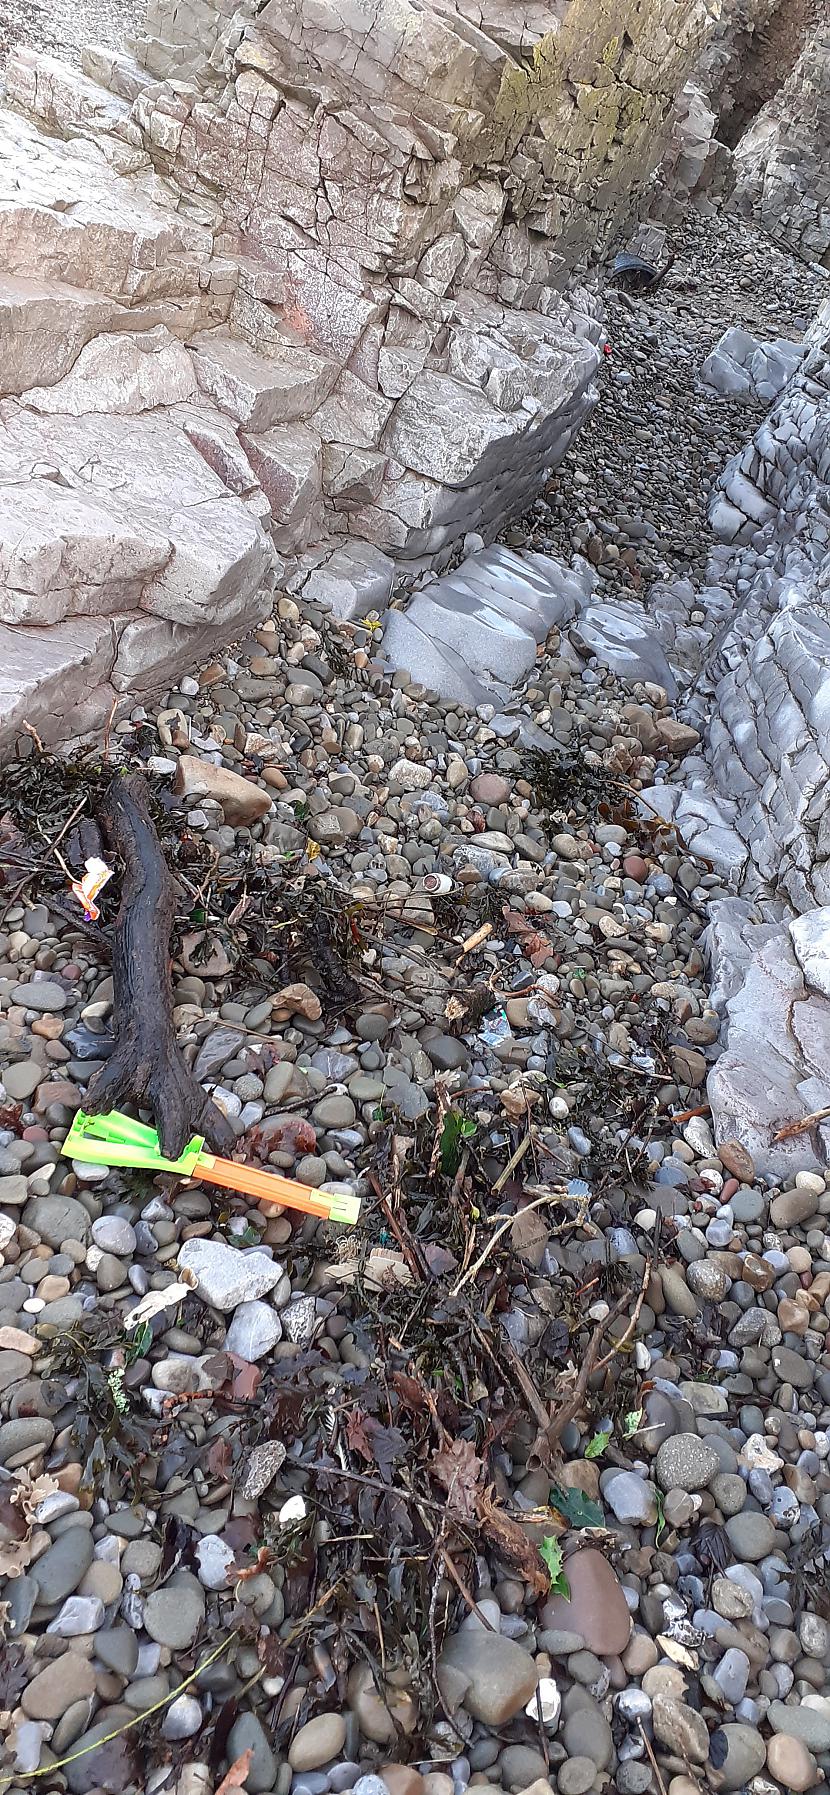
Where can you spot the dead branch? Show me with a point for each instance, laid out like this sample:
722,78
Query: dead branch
790,1129
546,1444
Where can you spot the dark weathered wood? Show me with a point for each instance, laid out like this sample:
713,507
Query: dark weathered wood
146,1064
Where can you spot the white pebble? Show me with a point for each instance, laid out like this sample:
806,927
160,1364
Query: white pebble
811,1181
79,1615
216,1562
183,1718
227,1102
86,1173
549,1700
27,1743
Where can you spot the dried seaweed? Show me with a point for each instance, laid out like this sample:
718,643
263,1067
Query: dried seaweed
571,782
114,1440
273,925
15,1675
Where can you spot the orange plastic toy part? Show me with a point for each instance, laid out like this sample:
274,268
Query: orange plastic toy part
266,1187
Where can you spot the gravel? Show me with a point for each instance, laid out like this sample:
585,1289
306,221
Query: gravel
317,1458
64,29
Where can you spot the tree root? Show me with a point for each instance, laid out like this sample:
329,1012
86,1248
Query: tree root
146,1064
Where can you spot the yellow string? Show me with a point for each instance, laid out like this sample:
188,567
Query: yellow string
49,1769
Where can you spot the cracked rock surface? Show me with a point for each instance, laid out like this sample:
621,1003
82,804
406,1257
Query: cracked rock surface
340,257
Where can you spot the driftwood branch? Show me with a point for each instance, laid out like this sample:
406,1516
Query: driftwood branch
547,1443
146,1064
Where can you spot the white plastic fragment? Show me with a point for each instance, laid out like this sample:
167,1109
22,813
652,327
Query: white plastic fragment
292,1511
154,1302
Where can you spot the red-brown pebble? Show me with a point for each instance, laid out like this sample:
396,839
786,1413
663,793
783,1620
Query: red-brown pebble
735,1158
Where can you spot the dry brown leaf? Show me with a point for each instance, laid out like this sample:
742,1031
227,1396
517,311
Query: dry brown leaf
678,1653
516,921
15,1557
528,1232
29,1492
459,1470
513,1543
237,1774
410,1392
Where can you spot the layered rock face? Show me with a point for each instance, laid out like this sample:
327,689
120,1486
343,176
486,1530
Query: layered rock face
133,532
296,293
782,162
754,799
752,125
768,741
407,190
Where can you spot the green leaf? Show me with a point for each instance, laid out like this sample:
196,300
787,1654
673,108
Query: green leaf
551,1552
578,1509
140,1343
597,1445
457,1128
249,1236
661,1516
631,1422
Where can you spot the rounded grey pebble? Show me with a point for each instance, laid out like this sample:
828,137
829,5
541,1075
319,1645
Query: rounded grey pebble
752,1536
248,1733
633,1778
685,1462
114,1234
63,1565
343,1776
577,1776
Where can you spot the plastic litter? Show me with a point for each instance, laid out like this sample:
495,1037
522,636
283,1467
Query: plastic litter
496,1029
119,1140
154,1302
86,890
634,272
